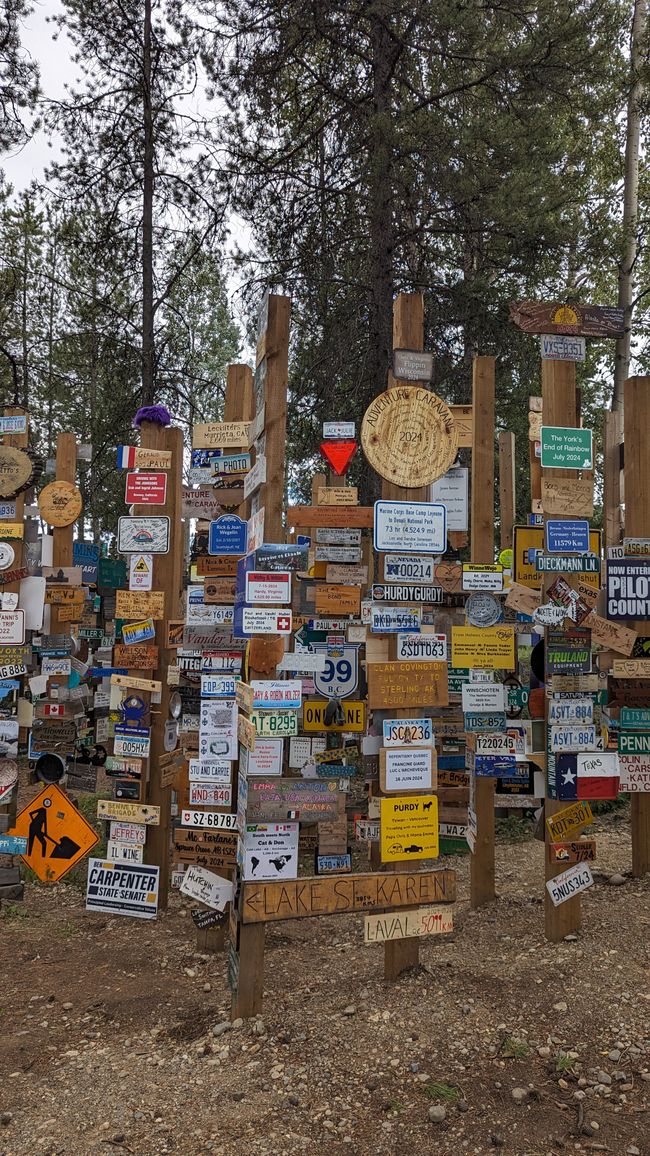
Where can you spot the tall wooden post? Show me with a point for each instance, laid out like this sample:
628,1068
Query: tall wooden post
612,496
247,999
507,494
167,572
559,400
482,550
637,525
408,333
62,546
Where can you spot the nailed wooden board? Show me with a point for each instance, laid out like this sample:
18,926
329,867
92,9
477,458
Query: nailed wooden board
463,416
218,434
409,436
217,565
354,517
294,899
572,497
140,656
337,495
406,684
339,600
407,924
631,668
136,604
60,503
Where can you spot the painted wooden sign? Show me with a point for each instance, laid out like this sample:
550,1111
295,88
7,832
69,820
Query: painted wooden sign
407,924
139,458
337,599
17,470
226,434
204,502
631,668
128,812
208,848
60,503
217,566
319,895
409,436
405,684
348,575
135,604
278,800
570,319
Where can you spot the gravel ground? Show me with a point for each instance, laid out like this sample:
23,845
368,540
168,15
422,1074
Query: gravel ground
497,1042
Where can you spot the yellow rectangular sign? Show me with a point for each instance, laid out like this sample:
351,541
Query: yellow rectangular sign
483,647
409,828
531,538
12,529
139,604
313,717
566,823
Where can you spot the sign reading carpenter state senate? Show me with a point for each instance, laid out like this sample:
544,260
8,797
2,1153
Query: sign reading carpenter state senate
409,436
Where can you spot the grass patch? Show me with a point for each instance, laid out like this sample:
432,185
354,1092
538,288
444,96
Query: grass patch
563,1063
514,829
512,1049
13,911
441,1091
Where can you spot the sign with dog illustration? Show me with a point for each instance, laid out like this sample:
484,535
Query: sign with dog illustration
409,828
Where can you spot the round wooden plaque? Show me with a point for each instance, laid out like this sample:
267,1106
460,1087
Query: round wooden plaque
409,436
16,471
60,504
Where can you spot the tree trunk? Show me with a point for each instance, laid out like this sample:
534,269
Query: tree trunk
630,199
148,351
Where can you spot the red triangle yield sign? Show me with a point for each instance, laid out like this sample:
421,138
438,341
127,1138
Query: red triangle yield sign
339,454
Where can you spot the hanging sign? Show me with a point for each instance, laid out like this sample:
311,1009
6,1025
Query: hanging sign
412,365
338,454
411,527
146,489
409,436
149,534
566,448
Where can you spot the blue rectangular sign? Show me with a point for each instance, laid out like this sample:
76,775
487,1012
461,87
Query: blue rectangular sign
227,535
86,555
567,537
13,844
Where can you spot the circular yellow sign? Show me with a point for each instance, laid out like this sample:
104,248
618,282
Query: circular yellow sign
16,471
60,504
409,436
505,558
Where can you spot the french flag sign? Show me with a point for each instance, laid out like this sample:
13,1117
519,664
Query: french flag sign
125,457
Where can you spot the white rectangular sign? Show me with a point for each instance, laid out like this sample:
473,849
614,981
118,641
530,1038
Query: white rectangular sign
271,588
206,887
122,888
210,771
413,732
148,534
302,662
452,490
141,572
422,647
127,832
124,852
408,568
12,627
569,883
485,697
216,820
270,851
408,770
410,527
303,749
266,759
258,621
634,772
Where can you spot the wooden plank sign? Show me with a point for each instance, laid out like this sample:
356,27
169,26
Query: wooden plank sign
140,656
568,497
337,599
356,517
571,319
217,565
409,436
463,416
224,434
522,599
138,604
278,800
631,668
406,924
343,895
405,684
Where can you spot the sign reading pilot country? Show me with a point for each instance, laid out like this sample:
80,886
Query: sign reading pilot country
121,889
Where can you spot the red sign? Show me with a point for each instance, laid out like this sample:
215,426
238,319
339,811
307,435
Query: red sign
339,454
146,489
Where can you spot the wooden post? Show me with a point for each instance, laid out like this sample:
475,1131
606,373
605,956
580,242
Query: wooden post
247,999
637,525
612,497
21,441
167,576
62,546
408,333
238,406
559,401
482,550
507,493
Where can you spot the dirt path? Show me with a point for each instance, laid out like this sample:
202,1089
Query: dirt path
107,1040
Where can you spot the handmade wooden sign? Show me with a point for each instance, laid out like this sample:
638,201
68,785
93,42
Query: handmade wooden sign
568,497
337,599
631,668
405,684
217,565
17,470
137,657
60,503
409,436
360,517
406,924
137,604
337,495
220,434
463,416
208,848
140,458
294,899
278,800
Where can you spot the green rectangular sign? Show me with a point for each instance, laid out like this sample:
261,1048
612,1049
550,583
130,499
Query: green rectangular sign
631,743
566,448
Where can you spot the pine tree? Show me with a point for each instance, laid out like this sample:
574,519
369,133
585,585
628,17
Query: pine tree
19,83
